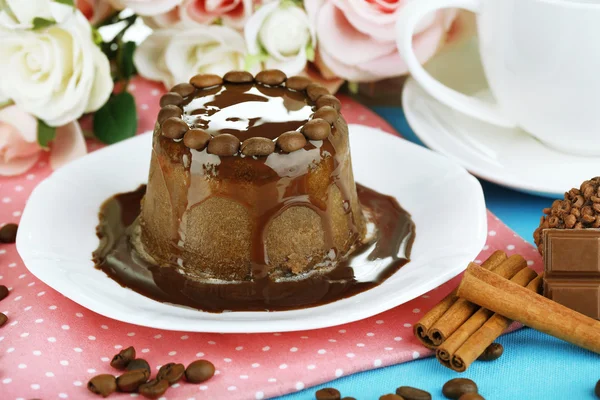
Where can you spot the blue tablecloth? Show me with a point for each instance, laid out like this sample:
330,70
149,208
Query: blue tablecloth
534,365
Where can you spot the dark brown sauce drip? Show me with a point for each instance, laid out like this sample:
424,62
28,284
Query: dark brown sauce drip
247,111
116,257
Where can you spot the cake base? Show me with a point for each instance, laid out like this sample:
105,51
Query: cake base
392,235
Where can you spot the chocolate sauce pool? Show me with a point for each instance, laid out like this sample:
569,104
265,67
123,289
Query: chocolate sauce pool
367,267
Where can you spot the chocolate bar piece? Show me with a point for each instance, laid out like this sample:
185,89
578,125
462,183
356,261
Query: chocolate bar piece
572,269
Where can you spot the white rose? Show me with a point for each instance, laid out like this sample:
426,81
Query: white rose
56,73
283,31
146,7
174,55
19,14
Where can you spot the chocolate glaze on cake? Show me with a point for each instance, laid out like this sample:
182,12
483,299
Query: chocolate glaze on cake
250,181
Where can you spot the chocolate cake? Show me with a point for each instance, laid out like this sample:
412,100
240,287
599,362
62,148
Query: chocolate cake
250,177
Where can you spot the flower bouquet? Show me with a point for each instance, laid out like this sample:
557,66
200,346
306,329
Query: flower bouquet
61,59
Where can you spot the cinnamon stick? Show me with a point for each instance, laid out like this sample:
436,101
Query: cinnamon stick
531,309
462,309
422,327
469,341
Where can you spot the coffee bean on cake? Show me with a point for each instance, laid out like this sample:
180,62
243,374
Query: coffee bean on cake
8,233
184,89
3,292
196,139
103,385
174,128
3,319
411,393
199,371
153,389
257,146
492,352
314,91
138,363
171,98
317,129
327,113
203,81
123,358
329,101
224,145
168,111
456,387
130,381
328,394
271,77
291,141
297,83
171,372
238,77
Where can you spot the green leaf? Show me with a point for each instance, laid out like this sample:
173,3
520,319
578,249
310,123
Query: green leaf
96,36
41,23
125,60
45,133
66,2
310,52
117,119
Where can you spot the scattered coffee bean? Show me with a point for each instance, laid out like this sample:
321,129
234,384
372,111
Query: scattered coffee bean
327,113
271,77
199,371
328,394
348,398
8,233
471,396
123,358
203,81
596,390
174,128
257,146
316,129
131,380
328,101
3,319
238,77
196,139
391,396
3,292
171,372
411,393
492,352
138,363
456,387
184,89
291,141
314,91
103,385
167,112
153,389
171,98
224,145
298,83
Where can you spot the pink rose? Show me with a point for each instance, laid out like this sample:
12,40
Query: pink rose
367,27
94,10
233,12
19,149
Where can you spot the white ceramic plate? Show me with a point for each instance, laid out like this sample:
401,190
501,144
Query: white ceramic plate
57,234
509,157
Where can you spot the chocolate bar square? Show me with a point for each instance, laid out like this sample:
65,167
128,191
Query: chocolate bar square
572,269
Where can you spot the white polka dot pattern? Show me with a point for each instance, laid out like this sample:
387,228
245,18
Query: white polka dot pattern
51,346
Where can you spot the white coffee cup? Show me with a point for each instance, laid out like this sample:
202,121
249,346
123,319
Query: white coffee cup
541,59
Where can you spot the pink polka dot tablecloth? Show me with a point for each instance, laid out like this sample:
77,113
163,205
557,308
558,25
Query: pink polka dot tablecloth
51,346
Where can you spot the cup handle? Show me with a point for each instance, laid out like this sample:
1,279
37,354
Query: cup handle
408,19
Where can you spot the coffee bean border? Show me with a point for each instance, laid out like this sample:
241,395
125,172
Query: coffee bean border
319,126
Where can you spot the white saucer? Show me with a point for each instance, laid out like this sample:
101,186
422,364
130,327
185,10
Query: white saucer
57,234
509,157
